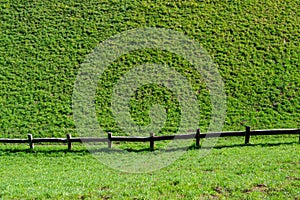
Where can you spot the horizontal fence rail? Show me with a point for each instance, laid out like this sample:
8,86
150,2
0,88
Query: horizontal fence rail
152,138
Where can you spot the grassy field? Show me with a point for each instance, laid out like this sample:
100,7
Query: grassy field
267,169
255,45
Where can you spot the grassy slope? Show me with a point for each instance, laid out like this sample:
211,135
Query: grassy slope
255,44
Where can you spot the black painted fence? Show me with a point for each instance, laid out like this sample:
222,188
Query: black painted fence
152,138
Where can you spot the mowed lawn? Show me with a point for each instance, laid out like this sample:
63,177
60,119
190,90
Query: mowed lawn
267,169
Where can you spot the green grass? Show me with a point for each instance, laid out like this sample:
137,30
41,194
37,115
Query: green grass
267,169
255,45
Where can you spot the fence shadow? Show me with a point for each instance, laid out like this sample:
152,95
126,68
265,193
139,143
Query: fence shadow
84,151
43,151
254,145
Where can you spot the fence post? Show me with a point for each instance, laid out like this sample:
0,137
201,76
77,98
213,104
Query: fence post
30,138
151,141
247,135
198,138
109,142
69,137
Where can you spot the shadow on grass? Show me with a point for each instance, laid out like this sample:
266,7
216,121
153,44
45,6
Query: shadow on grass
83,151
43,151
255,145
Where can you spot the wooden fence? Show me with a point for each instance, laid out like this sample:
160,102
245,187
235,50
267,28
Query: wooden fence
152,138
